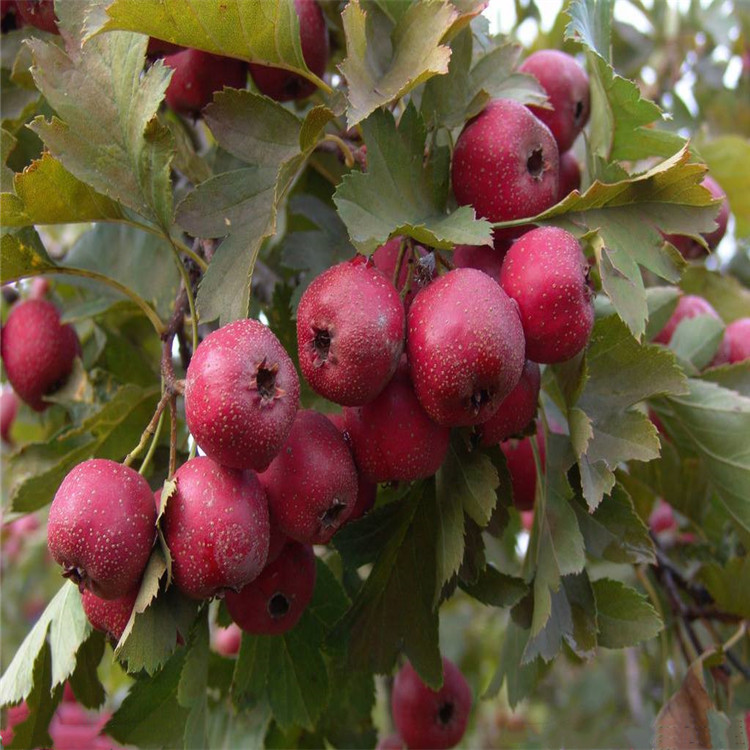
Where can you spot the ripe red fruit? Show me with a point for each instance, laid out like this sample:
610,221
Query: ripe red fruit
427,718
101,527
227,641
14,715
737,340
570,174
350,332
8,411
392,437
284,86
422,272
391,742
276,599
312,483
465,347
276,541
519,457
485,258
197,75
546,273
241,395
689,306
37,365
506,165
216,527
109,615
567,87
39,13
516,410
662,518
689,248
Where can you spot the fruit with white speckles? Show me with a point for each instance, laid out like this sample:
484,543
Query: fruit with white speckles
427,718
276,599
506,165
516,411
691,249
485,258
350,332
392,437
519,457
312,483
241,395
109,615
197,75
465,347
737,340
216,527
37,365
101,527
418,263
546,273
567,87
570,174
284,86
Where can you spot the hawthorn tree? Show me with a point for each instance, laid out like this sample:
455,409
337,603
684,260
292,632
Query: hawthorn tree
162,195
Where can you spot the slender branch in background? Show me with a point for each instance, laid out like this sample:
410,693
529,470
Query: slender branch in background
172,436
150,430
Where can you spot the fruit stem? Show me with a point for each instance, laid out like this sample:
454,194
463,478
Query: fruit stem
400,260
188,285
151,430
152,448
444,262
343,147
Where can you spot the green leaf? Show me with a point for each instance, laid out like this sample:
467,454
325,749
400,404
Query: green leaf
262,32
46,193
520,678
88,690
725,293
696,340
150,715
191,689
65,622
605,429
625,222
20,258
714,423
465,483
614,531
397,193
621,120
556,546
110,432
416,55
394,607
624,616
113,143
729,584
496,589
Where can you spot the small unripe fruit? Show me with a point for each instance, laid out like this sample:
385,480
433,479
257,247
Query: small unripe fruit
312,483
519,457
662,518
516,410
276,599
546,273
101,527
689,248
465,347
427,718
737,340
216,527
241,395
567,87
197,75
37,365
227,641
570,174
392,437
350,332
506,165
39,13
109,615
284,86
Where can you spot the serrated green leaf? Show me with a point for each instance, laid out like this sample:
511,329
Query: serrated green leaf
66,623
614,531
725,293
624,616
87,688
520,678
263,32
396,195
20,258
714,423
729,584
496,589
7,144
394,607
734,377
150,715
191,689
696,340
416,55
113,143
46,193
608,429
